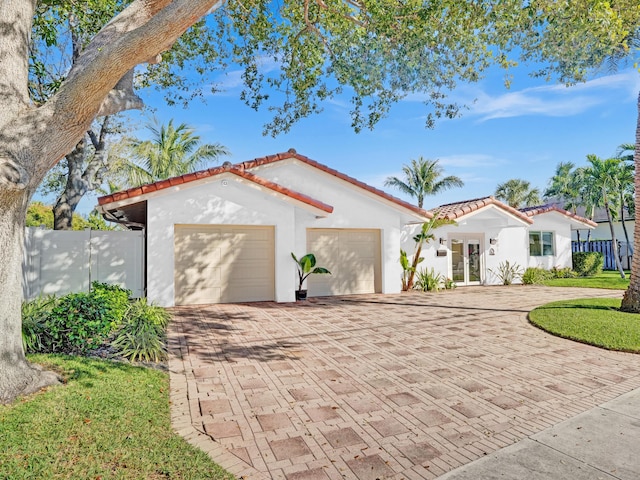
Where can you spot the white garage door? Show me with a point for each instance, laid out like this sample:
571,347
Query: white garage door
223,264
351,255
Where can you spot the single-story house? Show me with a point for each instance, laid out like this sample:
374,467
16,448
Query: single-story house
226,234
488,233
550,235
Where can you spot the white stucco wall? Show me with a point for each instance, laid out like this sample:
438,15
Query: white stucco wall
353,208
602,232
560,225
511,244
240,202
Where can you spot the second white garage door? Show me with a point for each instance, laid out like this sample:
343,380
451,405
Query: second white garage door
223,264
351,255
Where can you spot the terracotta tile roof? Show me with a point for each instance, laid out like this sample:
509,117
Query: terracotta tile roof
241,170
453,211
189,177
540,209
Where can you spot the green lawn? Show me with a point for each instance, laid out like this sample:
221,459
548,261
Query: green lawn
110,421
596,321
608,279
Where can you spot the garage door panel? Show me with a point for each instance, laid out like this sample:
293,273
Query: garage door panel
352,256
219,264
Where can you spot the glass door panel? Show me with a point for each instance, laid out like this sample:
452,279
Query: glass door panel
457,260
473,250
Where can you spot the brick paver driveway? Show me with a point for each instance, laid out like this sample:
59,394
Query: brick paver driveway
380,386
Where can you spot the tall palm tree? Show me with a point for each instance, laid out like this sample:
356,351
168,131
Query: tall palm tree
625,178
423,177
603,175
172,151
517,193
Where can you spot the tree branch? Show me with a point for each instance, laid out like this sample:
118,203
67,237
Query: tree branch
138,33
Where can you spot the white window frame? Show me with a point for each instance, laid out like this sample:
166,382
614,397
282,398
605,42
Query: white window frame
541,236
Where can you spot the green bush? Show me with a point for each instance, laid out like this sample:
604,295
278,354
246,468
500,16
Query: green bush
588,264
143,333
34,317
535,276
428,280
565,272
115,298
79,323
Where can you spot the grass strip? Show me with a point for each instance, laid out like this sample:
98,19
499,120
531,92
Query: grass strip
595,321
608,280
109,421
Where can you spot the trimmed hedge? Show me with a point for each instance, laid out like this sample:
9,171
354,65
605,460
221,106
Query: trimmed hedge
588,264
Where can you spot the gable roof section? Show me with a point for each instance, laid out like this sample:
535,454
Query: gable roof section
132,193
241,169
457,210
541,209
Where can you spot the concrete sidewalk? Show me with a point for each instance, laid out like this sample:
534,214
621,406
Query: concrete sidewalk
602,443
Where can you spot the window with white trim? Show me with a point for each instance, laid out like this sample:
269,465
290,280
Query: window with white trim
541,244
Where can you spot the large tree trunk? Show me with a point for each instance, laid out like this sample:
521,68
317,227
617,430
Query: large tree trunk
17,376
33,140
631,299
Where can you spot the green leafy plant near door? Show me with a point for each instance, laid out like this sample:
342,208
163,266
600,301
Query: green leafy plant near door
306,266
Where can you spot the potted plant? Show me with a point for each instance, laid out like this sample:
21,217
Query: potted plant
306,266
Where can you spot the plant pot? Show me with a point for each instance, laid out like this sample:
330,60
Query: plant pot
301,294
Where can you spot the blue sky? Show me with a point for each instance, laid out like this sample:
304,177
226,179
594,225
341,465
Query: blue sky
522,132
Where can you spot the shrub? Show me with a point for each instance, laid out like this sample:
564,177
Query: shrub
566,272
507,272
535,276
115,299
77,324
588,264
428,280
142,336
449,284
34,318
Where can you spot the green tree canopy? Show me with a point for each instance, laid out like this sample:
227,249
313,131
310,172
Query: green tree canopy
518,193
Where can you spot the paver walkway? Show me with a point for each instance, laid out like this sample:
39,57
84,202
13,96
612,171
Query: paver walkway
402,386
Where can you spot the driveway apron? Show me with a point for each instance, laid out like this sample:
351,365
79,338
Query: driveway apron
405,386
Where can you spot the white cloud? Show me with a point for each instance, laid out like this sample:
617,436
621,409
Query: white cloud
556,100
553,100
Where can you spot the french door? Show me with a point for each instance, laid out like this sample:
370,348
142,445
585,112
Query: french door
466,259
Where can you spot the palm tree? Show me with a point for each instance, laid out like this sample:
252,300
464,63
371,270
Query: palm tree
173,151
517,192
421,178
603,175
625,177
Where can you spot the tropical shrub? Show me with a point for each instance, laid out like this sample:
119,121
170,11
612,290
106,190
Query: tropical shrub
563,272
115,298
34,317
142,336
588,264
507,272
428,280
536,276
77,324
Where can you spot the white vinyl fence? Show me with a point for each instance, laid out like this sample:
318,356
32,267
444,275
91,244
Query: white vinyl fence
60,262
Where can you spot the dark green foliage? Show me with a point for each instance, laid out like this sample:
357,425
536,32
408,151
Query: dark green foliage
79,323
76,323
587,264
535,276
34,315
142,336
